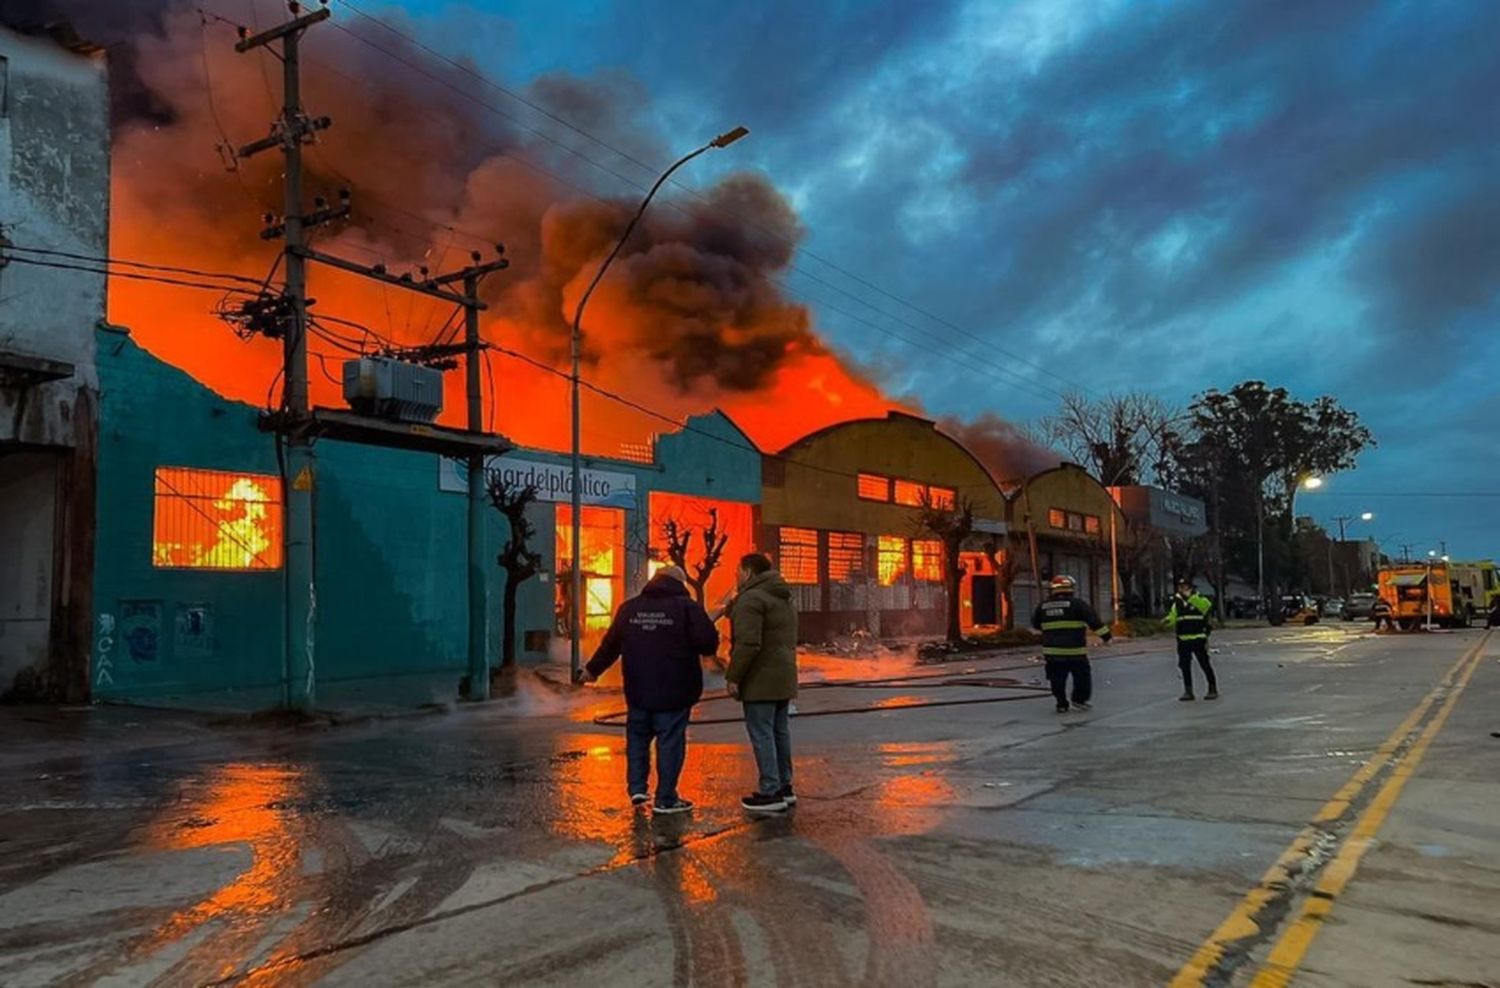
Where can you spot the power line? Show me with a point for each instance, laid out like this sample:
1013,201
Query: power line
126,274
420,70
144,265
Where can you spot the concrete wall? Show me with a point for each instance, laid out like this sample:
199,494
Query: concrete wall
54,195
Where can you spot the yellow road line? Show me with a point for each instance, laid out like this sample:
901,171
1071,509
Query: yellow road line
1241,922
1287,954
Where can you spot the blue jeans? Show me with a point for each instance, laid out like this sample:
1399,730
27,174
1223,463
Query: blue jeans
771,739
669,730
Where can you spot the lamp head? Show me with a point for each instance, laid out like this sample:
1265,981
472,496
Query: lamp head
726,139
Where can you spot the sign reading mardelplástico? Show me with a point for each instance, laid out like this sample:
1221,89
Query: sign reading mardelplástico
553,481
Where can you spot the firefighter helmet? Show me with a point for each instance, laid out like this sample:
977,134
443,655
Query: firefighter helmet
1063,584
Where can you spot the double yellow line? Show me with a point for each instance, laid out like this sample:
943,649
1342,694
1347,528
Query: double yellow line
1287,953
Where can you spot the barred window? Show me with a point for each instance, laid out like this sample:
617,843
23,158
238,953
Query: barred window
927,560
215,519
1057,518
846,557
874,487
890,559
943,498
799,555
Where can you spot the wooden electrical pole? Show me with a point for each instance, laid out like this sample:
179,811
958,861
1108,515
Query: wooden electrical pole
290,132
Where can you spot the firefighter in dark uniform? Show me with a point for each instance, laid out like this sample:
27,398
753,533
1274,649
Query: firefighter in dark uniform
1188,616
1064,622
1380,613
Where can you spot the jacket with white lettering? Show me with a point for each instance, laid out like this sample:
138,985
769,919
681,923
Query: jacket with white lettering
1065,623
661,635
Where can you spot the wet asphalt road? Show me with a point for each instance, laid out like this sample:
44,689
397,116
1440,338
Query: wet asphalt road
967,843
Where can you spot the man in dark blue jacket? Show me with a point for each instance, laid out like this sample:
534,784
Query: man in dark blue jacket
660,635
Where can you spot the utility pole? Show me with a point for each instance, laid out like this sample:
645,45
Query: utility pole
1406,552
290,132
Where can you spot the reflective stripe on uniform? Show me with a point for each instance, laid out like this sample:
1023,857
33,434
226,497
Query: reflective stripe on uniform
1064,625
1064,653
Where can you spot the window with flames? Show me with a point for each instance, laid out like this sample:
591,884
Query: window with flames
890,558
215,519
927,560
799,555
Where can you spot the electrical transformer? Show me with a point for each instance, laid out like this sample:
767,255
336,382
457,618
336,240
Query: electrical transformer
381,387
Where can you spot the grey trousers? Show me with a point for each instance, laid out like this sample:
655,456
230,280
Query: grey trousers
767,723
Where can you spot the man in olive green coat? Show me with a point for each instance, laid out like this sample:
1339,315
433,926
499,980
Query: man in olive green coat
763,675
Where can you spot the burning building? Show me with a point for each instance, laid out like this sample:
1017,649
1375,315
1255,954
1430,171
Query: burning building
842,516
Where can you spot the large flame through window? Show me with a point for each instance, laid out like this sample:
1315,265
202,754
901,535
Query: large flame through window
213,519
693,518
602,551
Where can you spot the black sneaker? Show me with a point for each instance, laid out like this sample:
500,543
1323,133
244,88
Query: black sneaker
760,802
1186,697
640,798
1081,705
1062,708
678,805
1211,695
787,796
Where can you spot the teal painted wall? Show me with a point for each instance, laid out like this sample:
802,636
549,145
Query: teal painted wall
153,415
390,552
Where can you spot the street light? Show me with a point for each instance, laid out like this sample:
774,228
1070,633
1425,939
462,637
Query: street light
1367,516
575,624
1312,483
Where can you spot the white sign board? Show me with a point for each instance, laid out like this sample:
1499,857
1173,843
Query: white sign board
553,481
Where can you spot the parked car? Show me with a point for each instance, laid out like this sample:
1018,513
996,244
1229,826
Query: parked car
1332,607
1357,607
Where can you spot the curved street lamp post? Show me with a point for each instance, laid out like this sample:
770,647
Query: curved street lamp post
575,622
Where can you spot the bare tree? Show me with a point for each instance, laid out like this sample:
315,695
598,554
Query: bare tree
1123,439
1003,561
517,558
679,546
951,523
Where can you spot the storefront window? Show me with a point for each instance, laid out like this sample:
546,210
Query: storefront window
890,559
602,533
799,555
846,557
927,560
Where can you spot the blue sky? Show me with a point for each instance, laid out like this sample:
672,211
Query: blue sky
1100,194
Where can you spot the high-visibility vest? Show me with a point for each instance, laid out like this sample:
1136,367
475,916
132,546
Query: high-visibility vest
1189,616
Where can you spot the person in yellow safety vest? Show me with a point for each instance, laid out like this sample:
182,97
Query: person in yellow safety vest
1064,622
1188,616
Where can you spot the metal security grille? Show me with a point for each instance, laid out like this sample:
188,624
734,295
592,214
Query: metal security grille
799,555
846,557
216,519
